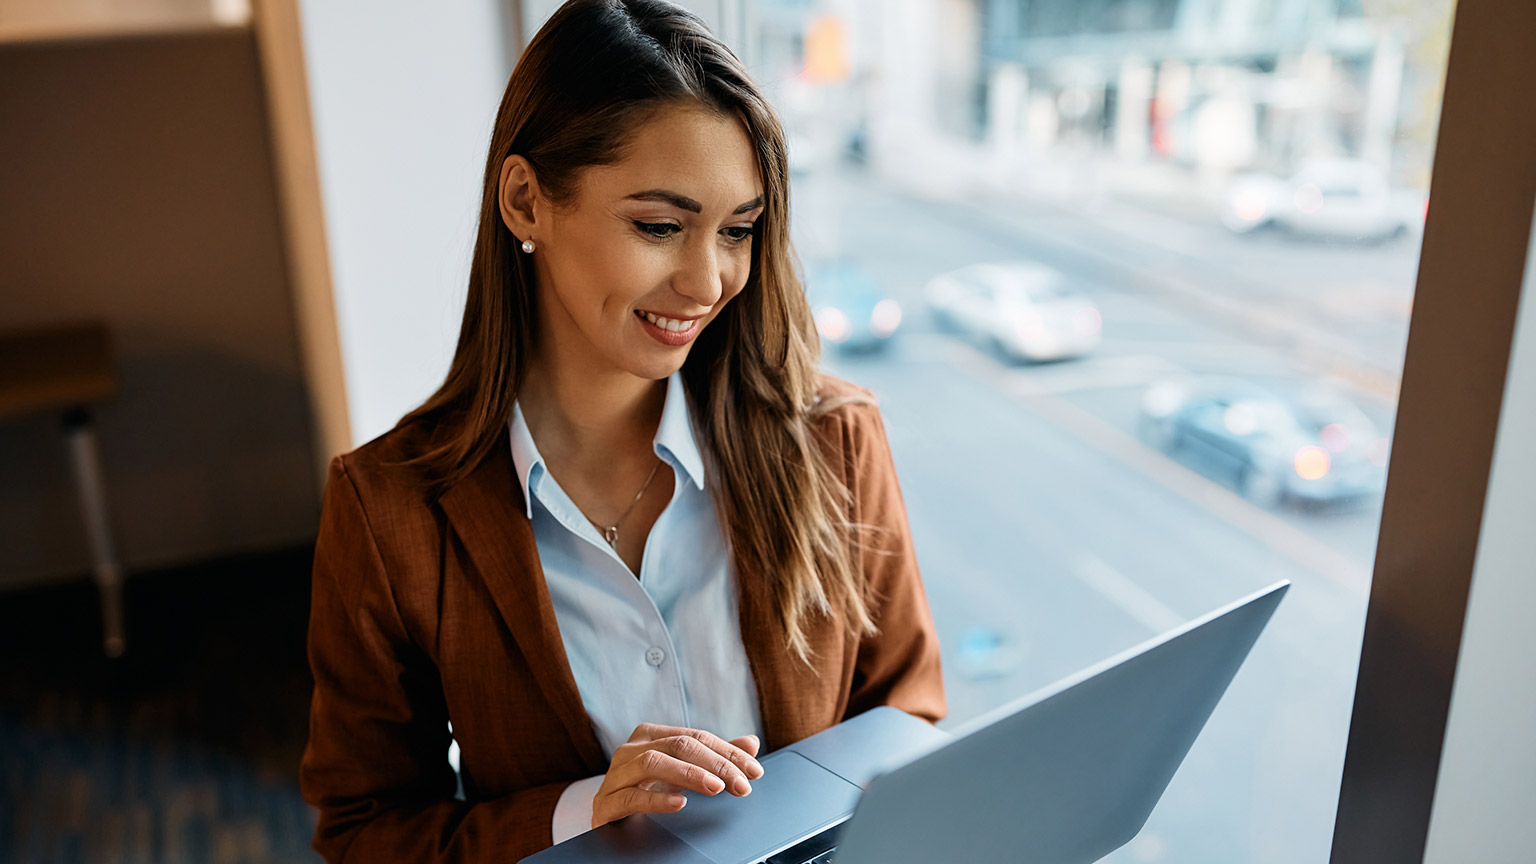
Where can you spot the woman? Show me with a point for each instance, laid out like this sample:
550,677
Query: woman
634,540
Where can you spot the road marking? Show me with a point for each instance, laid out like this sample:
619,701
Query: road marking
1285,539
1112,585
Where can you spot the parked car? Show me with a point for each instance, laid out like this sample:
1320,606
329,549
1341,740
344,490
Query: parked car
850,309
1026,311
1344,199
1272,446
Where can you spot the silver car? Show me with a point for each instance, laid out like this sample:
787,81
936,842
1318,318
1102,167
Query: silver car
1311,445
1026,311
1343,199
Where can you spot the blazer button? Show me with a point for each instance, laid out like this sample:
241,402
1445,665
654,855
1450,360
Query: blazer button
655,656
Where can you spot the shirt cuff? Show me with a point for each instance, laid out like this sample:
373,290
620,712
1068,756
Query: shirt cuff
573,812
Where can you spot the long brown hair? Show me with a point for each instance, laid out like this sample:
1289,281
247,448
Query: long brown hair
595,71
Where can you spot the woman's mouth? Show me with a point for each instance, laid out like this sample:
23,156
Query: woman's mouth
674,332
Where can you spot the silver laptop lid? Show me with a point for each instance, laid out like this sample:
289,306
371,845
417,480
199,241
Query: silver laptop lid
1070,773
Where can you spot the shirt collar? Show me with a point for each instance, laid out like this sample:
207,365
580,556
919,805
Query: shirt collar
674,437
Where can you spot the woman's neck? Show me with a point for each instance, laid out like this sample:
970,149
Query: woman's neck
583,419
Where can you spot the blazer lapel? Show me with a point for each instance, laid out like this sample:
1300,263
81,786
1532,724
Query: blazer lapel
486,513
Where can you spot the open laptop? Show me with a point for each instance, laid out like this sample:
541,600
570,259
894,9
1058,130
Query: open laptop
1065,775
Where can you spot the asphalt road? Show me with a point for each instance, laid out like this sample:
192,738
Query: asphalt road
1051,538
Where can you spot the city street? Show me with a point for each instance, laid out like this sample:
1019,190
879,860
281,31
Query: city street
1051,537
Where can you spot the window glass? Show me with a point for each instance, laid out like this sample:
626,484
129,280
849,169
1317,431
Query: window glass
1214,210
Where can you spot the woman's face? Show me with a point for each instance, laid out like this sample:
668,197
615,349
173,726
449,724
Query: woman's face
649,249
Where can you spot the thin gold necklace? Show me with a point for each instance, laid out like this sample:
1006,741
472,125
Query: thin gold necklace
611,532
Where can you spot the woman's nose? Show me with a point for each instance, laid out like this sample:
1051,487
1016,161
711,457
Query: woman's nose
698,276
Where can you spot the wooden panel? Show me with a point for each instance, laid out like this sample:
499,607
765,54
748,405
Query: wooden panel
1481,199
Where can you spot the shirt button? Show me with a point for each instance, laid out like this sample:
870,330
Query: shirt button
655,656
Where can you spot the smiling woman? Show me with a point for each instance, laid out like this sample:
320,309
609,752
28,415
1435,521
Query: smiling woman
632,273
636,538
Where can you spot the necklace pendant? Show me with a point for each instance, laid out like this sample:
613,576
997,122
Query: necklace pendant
611,534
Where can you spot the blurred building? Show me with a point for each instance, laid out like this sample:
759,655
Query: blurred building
1214,84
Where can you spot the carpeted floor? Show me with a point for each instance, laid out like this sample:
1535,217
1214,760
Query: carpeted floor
184,750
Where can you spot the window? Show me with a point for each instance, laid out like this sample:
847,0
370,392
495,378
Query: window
1223,213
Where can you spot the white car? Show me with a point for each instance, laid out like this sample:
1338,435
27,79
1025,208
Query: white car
1025,310
1335,198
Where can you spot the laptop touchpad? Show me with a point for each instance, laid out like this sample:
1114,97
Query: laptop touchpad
794,798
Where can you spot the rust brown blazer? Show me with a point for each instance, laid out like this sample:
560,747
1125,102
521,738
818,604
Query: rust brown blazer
429,610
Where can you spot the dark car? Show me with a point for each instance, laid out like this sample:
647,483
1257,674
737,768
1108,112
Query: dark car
1310,445
851,310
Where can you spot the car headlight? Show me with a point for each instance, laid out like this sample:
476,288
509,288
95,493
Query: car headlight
886,318
833,324
1162,400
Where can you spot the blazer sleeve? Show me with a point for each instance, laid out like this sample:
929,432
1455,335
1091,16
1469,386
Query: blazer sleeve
376,764
899,665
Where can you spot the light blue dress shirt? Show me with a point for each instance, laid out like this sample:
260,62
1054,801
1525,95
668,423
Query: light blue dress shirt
664,648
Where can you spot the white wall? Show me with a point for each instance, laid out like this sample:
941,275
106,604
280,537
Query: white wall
403,96
1487,784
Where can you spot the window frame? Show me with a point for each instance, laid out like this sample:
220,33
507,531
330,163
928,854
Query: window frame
1477,232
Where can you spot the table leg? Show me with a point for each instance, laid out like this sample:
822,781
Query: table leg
85,459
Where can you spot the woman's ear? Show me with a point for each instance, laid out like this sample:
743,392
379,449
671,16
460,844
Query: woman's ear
518,197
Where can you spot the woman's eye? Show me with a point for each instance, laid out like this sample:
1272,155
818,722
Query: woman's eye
738,233
659,230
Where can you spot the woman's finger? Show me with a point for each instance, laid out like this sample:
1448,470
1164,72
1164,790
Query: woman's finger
659,766
739,757
631,800
693,750
748,743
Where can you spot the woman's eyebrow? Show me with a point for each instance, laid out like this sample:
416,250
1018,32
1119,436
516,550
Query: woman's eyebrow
683,202
749,206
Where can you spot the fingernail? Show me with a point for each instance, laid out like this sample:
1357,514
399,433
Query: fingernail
712,785
684,804
743,788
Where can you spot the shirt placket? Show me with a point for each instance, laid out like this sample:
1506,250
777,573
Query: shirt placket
661,653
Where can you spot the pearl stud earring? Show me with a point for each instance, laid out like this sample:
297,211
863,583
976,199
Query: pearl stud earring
528,246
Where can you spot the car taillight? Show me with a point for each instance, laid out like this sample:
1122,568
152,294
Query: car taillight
1312,462
1334,437
1250,205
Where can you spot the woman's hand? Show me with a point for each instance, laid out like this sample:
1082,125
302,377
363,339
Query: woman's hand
650,772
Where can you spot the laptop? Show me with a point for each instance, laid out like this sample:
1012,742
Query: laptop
1064,775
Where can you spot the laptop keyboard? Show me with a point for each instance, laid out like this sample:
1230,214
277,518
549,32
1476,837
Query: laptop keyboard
818,849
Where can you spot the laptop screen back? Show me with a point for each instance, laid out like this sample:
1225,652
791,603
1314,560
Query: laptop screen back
1074,773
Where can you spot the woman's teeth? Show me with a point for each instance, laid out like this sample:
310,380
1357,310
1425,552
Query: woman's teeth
667,323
